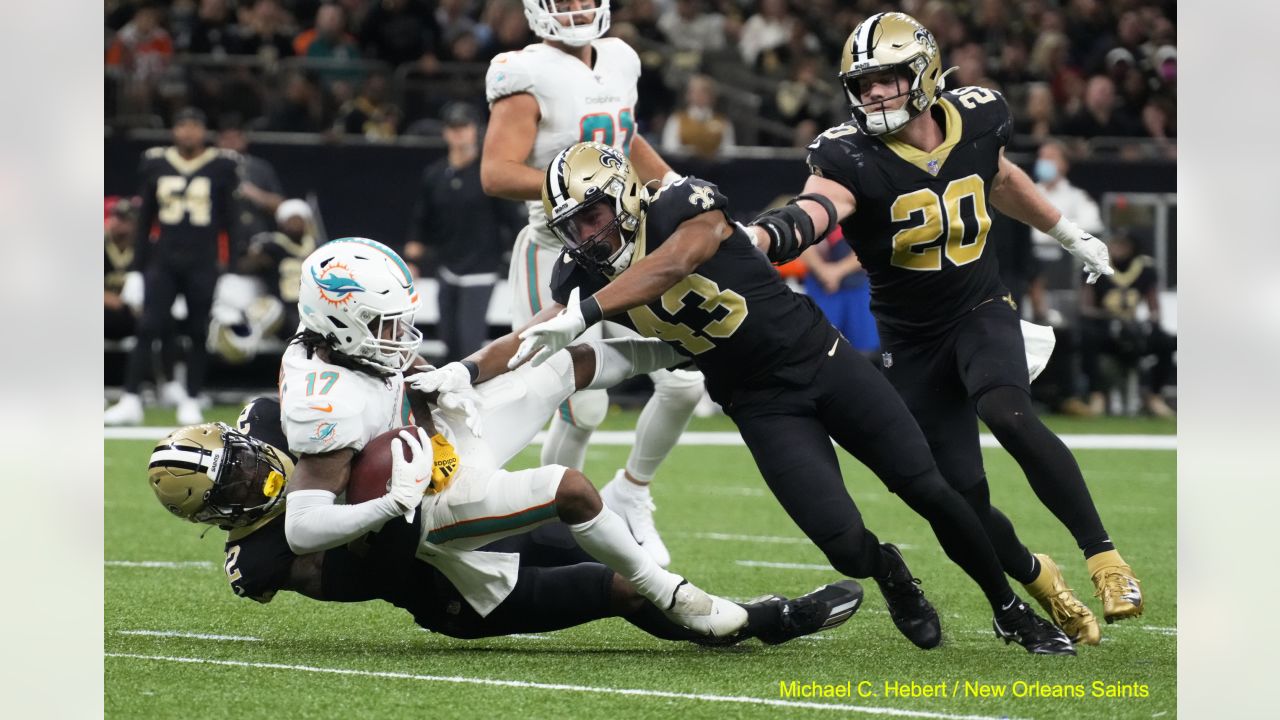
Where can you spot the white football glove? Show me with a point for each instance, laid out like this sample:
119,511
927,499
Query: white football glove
411,478
551,336
1088,249
132,292
465,402
450,378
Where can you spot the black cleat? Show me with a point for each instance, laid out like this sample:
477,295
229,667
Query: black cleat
1020,624
827,607
910,611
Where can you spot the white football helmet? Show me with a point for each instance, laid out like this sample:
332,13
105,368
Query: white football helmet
359,296
544,20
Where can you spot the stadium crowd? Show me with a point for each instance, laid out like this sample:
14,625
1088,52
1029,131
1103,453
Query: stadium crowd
379,68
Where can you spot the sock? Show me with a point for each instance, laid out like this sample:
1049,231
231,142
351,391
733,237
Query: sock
566,444
607,539
1098,547
1104,559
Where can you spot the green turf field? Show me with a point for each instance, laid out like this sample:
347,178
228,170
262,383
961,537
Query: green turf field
300,658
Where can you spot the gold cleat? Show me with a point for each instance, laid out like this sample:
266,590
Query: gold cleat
1116,585
1075,618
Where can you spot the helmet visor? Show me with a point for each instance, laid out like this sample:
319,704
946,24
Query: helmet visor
587,231
248,482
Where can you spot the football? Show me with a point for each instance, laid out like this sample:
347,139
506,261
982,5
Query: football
371,468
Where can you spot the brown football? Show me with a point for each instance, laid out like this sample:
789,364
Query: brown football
371,468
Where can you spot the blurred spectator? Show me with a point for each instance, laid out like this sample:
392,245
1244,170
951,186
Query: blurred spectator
687,25
260,191
264,30
1111,329
643,15
1037,121
457,26
299,109
698,127
142,49
401,31
839,285
213,32
1051,180
803,102
275,258
120,227
767,29
370,114
510,27
329,37
1099,116
458,232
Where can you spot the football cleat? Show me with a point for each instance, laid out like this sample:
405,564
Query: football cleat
704,613
1020,624
189,412
826,607
1116,586
1050,589
126,411
636,507
911,612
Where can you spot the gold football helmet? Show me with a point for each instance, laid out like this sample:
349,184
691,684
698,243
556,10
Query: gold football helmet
213,474
578,178
891,42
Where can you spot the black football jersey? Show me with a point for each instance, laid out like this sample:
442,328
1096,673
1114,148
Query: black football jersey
116,262
1119,295
283,278
734,315
922,219
191,201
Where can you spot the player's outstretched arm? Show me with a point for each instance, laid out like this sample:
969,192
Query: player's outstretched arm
1014,194
513,126
313,522
693,243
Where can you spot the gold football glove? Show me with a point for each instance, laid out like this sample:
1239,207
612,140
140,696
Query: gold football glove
445,464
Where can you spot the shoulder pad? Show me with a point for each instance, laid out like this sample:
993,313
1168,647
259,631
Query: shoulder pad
155,152
320,413
508,74
832,153
624,51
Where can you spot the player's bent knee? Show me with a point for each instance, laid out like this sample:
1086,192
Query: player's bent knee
576,498
585,409
678,387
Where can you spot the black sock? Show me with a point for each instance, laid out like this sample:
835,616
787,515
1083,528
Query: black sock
1014,556
1049,466
1098,547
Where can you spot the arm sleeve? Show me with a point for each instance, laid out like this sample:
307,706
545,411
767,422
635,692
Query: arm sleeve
313,522
620,358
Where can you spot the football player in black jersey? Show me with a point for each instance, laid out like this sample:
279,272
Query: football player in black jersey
672,266
910,178
235,478
187,190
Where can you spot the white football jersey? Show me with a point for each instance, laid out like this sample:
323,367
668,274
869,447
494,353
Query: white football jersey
577,103
324,407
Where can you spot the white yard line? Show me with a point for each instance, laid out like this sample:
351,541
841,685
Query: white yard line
194,636
782,565
181,565
627,438
632,692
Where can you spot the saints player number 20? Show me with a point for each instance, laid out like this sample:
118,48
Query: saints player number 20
917,247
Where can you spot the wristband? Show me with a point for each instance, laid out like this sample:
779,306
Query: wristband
472,369
591,311
1066,233
670,176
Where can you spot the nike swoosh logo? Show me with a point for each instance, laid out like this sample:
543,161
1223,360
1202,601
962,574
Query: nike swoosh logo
832,351
322,408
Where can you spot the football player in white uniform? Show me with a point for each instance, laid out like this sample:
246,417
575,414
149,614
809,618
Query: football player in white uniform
342,384
573,86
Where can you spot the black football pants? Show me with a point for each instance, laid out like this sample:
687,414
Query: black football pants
163,285
789,432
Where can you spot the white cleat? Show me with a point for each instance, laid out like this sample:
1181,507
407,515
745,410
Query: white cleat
189,412
172,394
126,411
703,613
636,507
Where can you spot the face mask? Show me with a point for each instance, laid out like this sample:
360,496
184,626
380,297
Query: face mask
1046,170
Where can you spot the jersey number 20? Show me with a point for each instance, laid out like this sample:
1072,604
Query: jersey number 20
916,247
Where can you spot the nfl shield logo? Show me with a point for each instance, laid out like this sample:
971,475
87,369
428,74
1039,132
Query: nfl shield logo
886,359
933,167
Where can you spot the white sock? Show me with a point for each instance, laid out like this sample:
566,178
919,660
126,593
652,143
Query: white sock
566,444
606,538
663,420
